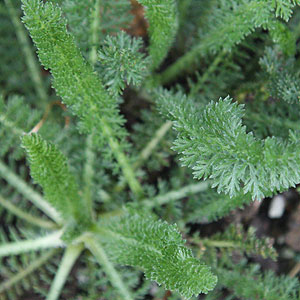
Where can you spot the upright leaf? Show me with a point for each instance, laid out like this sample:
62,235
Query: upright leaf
163,23
76,82
49,169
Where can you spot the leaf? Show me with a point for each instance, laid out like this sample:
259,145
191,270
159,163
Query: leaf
163,24
140,240
215,144
122,62
49,168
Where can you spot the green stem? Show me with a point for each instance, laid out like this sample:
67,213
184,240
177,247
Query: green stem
219,244
197,87
70,256
158,136
116,280
95,26
146,152
31,60
179,66
88,174
176,195
28,192
49,241
6,285
26,216
122,159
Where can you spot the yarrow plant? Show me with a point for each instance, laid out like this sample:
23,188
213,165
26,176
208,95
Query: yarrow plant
84,136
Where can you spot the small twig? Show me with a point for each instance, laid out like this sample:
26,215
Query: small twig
38,126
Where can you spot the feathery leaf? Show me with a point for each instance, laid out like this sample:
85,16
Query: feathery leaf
157,247
163,23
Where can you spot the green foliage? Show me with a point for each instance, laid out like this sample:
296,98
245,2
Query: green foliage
141,240
163,23
49,168
267,285
216,145
227,25
97,63
110,16
235,238
14,115
122,62
284,8
284,82
71,73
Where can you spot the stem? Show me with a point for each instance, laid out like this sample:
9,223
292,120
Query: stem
50,241
219,244
176,195
179,66
115,279
146,152
158,136
28,192
196,88
70,256
88,174
30,59
27,271
95,25
26,216
123,161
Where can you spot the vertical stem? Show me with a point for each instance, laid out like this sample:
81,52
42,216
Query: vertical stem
88,172
28,192
70,256
146,152
123,161
95,26
115,279
31,60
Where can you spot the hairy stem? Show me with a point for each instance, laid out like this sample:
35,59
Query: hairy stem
70,256
24,189
116,280
49,241
6,285
26,216
31,60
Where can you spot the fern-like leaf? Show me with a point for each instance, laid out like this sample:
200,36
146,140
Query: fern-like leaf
215,144
284,8
122,62
163,23
157,247
73,78
49,168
